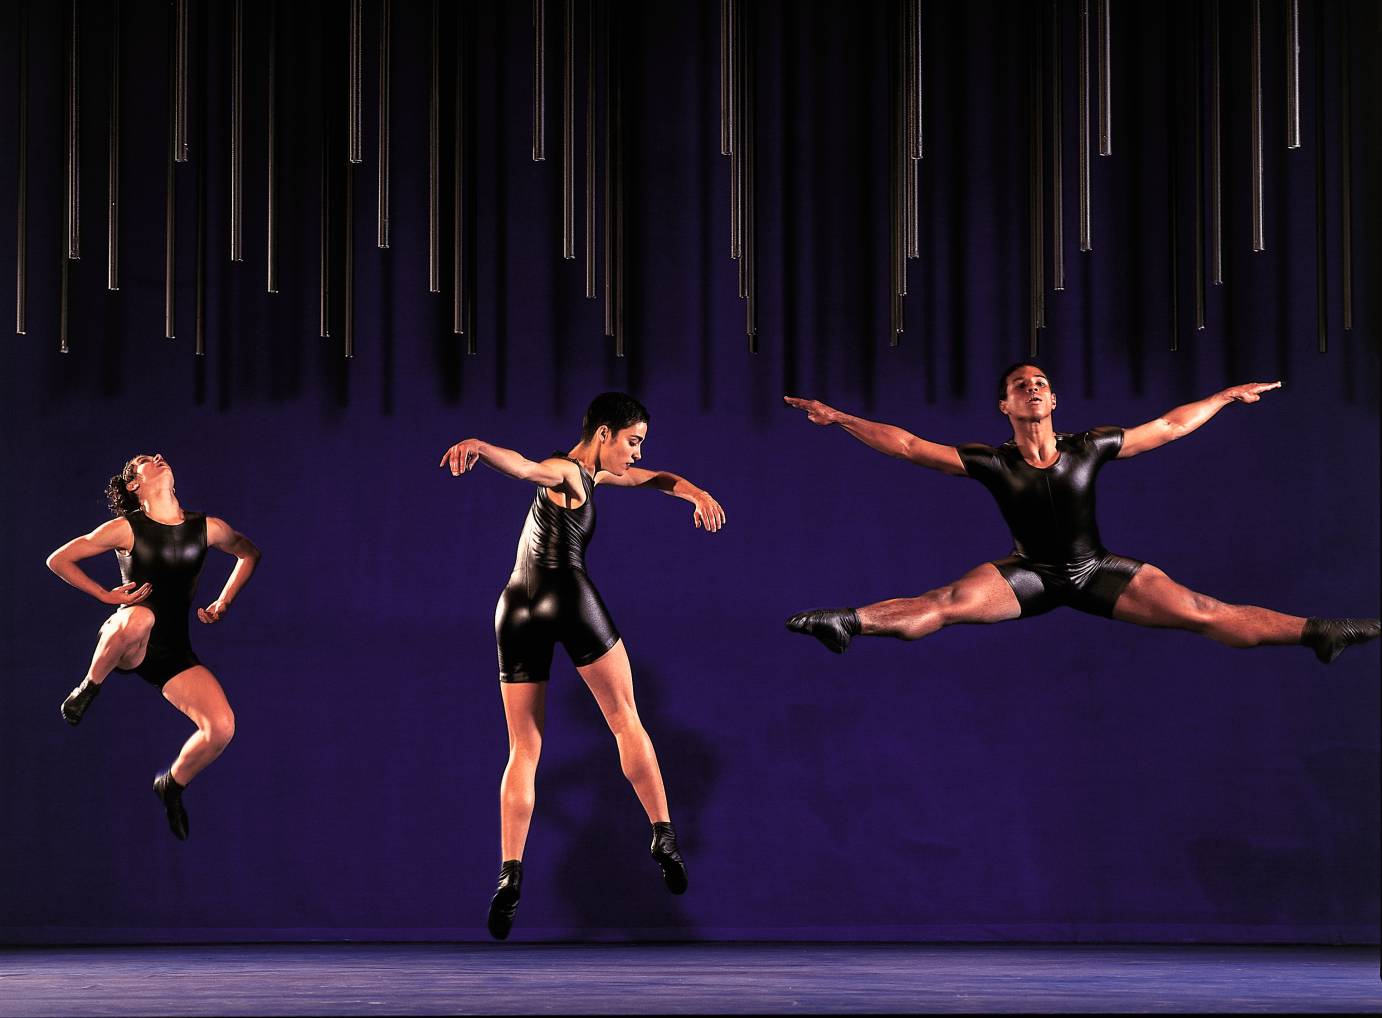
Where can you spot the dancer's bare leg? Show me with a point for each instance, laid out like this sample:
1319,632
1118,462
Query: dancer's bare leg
525,710
1154,599
611,680
197,694
979,596
123,640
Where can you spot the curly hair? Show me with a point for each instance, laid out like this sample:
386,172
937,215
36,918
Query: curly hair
122,501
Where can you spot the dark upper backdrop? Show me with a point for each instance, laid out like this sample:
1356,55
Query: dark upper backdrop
1060,778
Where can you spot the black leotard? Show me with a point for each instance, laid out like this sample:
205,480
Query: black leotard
169,559
1057,557
549,597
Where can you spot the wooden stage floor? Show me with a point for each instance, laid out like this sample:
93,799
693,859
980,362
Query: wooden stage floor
723,978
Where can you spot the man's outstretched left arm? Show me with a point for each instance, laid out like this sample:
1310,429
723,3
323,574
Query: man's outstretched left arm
1182,420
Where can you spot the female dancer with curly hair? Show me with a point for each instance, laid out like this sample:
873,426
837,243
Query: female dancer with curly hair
160,548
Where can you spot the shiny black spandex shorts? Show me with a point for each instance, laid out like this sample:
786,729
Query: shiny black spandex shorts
541,607
1093,586
161,662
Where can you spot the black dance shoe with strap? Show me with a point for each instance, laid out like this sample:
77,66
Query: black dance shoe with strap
834,627
79,700
1329,638
665,854
504,905
169,793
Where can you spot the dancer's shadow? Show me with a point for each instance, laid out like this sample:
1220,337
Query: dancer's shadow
606,875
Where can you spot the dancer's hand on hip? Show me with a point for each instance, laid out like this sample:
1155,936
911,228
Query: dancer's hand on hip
126,594
213,612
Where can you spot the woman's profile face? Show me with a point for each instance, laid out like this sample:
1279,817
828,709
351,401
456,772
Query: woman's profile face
623,448
149,469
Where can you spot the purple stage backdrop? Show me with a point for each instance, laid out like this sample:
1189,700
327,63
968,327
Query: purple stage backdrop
1063,778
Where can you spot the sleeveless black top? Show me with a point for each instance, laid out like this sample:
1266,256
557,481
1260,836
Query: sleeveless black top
169,559
1049,511
553,537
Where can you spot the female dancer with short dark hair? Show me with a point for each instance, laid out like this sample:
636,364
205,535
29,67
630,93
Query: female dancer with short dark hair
160,548
550,599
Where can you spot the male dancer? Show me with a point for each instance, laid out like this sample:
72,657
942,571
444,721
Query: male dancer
1043,481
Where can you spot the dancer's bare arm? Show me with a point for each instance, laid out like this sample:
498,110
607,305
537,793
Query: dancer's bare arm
107,537
884,437
221,535
558,474
707,513
1182,420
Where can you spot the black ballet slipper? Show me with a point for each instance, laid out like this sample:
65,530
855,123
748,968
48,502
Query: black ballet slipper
834,627
1328,638
665,854
169,793
504,905
79,700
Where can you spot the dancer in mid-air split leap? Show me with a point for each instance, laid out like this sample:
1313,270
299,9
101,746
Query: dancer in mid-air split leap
549,599
160,548
1043,481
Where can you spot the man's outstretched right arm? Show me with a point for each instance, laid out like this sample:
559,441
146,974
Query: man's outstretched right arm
885,438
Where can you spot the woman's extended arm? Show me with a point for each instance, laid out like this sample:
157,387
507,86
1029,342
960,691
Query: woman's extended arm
1182,420
222,535
107,537
884,437
549,473
707,514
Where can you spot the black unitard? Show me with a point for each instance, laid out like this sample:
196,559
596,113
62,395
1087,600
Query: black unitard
169,559
549,597
1057,557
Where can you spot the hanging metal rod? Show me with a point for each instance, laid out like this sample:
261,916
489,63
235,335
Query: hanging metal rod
355,86
271,162
237,133
1293,73
1259,235
382,172
73,223
113,159
1083,99
539,80
1057,163
21,237
1105,79
434,164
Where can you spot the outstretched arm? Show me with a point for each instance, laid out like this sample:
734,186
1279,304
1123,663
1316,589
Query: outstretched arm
220,534
549,473
1182,420
107,537
707,513
884,437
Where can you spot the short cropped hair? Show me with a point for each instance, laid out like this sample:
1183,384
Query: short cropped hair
616,410
1003,378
